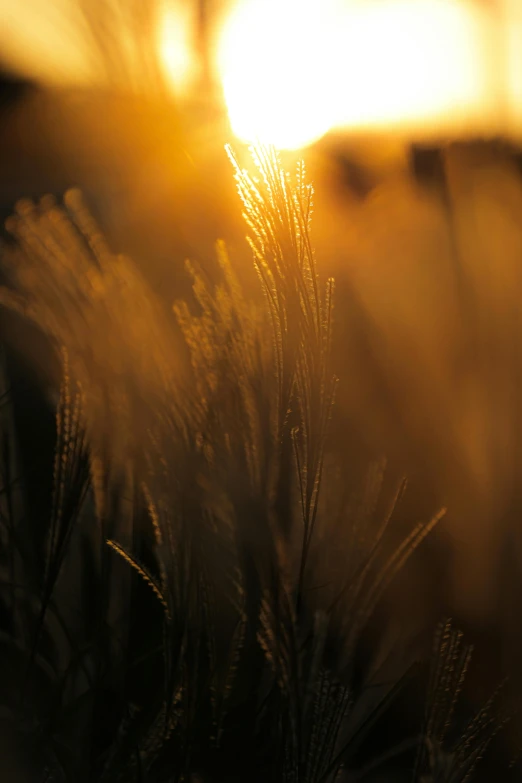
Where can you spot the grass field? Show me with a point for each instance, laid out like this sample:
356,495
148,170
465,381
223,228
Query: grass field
216,577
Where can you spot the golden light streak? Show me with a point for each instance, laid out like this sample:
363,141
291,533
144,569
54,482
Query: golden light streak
177,46
41,40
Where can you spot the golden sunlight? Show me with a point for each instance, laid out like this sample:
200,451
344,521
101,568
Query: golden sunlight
176,46
293,69
41,40
408,62
276,59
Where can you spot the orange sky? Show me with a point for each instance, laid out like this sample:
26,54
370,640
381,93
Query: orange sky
415,65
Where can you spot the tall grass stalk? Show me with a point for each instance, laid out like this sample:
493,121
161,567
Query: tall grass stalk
222,462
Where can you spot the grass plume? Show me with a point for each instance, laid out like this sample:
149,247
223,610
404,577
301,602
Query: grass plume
208,479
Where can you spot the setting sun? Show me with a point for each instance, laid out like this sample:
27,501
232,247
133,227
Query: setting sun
276,59
293,70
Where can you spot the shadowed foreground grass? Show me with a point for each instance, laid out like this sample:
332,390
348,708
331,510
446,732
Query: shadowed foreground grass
202,596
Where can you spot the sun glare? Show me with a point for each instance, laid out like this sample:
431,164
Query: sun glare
407,62
293,69
276,58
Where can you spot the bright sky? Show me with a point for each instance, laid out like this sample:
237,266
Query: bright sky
370,64
293,69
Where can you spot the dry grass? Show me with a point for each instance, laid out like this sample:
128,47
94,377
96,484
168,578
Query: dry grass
223,462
